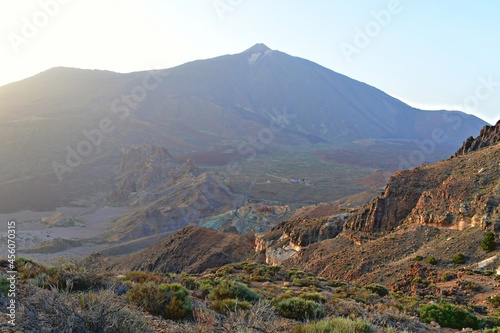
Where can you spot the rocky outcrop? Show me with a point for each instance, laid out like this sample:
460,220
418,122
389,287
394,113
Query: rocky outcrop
252,219
289,238
458,193
489,135
142,168
400,196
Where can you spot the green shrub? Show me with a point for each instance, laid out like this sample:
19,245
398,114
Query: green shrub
286,295
206,286
448,276
336,325
378,289
4,285
225,306
492,330
458,258
299,309
488,243
335,283
448,315
191,283
495,301
316,297
168,300
417,280
430,260
178,303
418,258
231,289
307,282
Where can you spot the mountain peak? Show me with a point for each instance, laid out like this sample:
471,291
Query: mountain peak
257,48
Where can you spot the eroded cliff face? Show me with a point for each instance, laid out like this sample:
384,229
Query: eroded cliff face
289,238
400,196
461,192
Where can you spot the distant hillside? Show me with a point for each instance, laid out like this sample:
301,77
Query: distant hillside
455,193
192,250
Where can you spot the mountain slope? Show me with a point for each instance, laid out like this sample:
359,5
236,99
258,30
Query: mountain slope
62,129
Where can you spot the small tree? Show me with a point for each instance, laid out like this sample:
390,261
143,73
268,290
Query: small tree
488,243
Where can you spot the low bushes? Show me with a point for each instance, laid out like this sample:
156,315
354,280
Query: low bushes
449,315
58,311
231,289
231,295
299,309
170,301
337,325
430,260
378,289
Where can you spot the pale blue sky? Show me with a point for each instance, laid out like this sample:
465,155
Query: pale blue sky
430,54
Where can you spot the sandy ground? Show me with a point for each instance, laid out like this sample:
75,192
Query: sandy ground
31,232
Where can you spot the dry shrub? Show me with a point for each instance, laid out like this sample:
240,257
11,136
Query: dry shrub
260,318
55,311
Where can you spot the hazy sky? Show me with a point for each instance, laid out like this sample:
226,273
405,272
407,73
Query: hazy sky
430,54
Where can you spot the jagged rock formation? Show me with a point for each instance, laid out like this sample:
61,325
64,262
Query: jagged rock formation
141,168
288,238
169,194
457,193
191,250
490,135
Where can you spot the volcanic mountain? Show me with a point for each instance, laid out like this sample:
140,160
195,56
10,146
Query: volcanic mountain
63,129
